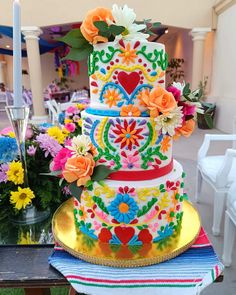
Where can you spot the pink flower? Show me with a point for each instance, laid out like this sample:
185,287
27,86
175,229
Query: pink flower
175,91
76,118
130,161
31,150
60,159
72,110
70,127
187,109
67,142
8,130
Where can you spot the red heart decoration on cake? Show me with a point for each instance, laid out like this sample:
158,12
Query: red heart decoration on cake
128,81
124,234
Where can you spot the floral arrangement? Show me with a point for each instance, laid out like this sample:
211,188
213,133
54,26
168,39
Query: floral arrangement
103,25
76,166
71,119
42,145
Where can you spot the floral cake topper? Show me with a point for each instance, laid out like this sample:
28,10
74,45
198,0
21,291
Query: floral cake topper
103,25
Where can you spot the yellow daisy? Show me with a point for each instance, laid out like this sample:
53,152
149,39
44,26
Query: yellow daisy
68,121
15,173
22,197
57,134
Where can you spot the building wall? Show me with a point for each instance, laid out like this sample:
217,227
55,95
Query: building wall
48,72
224,65
179,13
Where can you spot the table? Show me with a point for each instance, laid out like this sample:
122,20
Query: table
27,267
61,96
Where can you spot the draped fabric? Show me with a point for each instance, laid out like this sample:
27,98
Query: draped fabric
44,45
187,274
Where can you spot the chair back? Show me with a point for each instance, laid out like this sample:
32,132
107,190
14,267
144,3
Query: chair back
53,110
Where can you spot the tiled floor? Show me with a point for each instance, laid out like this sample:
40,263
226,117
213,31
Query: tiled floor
185,151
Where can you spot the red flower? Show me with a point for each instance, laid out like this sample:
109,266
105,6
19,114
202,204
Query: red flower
105,235
126,190
128,135
145,236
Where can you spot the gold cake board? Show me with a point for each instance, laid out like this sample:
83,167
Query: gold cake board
69,237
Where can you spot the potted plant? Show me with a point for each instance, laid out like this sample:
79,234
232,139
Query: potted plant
205,119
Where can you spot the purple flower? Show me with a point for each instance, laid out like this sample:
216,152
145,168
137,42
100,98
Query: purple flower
3,172
48,144
31,150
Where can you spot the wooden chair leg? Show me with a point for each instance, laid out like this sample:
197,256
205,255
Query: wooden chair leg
198,186
229,237
219,207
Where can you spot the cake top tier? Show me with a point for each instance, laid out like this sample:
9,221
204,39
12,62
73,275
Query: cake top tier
120,71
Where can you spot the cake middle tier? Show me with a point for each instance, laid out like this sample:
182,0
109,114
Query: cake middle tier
129,145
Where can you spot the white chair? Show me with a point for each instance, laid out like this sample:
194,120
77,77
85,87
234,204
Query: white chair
53,110
219,172
230,225
3,100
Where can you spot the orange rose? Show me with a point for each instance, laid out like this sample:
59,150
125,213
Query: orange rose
79,168
186,130
159,100
88,29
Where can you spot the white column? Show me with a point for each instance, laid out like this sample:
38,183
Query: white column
198,37
2,72
32,45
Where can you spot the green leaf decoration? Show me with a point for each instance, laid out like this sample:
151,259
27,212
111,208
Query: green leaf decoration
147,207
100,172
74,39
78,55
209,120
100,204
116,30
75,190
88,183
101,26
139,227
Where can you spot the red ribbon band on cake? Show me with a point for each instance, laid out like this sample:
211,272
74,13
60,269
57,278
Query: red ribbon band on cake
142,175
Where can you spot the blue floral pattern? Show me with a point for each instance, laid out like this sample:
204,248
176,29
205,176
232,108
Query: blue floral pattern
125,216
8,149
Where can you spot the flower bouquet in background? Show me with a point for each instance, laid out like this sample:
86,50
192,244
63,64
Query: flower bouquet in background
71,119
43,192
75,165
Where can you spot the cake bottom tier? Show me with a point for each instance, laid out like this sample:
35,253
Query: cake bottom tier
132,212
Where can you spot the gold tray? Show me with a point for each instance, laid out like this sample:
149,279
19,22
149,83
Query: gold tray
69,237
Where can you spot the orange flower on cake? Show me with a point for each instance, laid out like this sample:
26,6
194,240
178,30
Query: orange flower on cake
128,55
88,29
130,111
79,169
186,130
159,101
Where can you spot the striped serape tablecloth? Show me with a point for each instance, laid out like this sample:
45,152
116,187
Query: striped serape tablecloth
187,274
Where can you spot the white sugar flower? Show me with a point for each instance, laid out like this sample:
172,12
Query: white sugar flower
80,145
125,16
168,123
179,86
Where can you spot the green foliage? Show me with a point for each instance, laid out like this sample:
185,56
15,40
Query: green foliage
100,172
107,31
148,156
75,190
80,48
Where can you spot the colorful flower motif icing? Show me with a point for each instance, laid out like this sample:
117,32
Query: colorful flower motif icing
128,135
123,208
128,55
165,144
112,96
130,161
165,232
130,111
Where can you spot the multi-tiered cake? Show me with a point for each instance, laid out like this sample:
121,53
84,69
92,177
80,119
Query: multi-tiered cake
141,202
